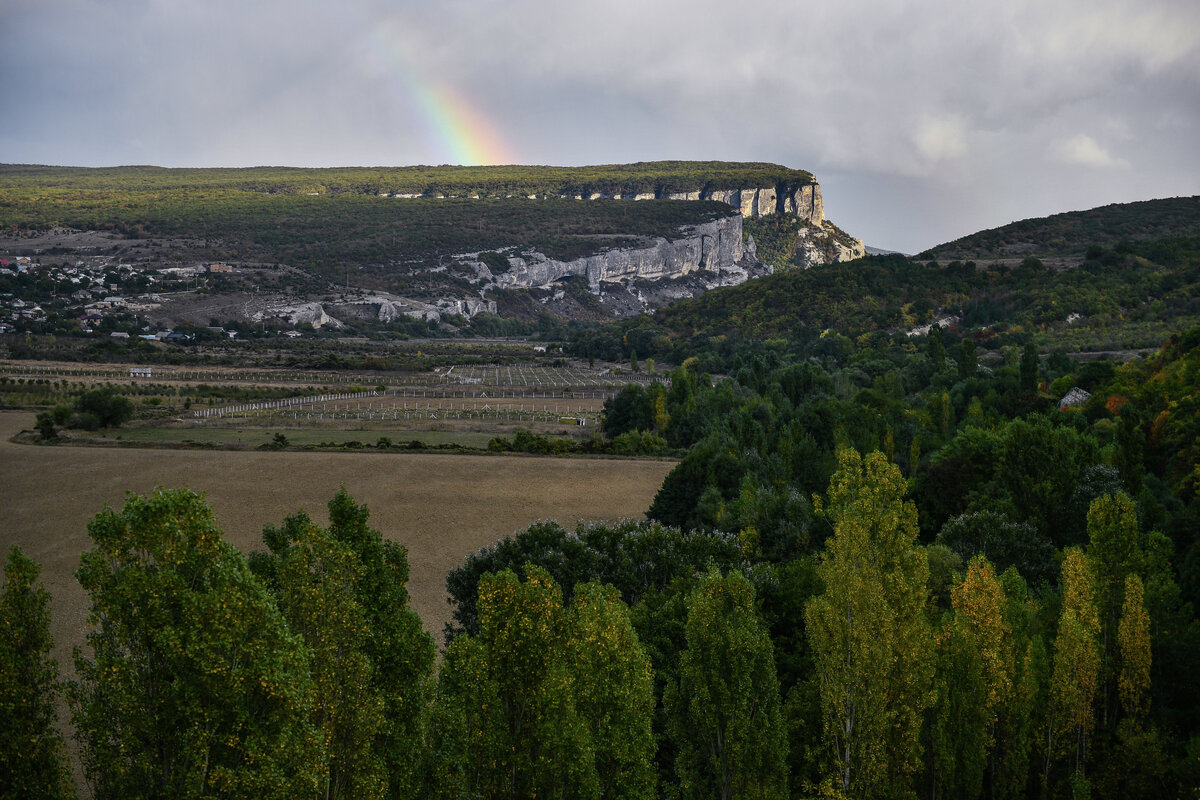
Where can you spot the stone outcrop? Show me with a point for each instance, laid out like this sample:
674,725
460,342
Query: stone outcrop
712,246
800,201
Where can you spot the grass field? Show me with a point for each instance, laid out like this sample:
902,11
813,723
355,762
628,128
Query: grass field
249,438
440,507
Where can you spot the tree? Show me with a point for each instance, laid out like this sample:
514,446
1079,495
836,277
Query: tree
1113,556
31,749
1029,370
725,712
631,409
506,723
45,426
614,690
1076,675
105,406
195,686
977,683
1005,543
315,578
401,652
1133,638
967,359
870,639
936,344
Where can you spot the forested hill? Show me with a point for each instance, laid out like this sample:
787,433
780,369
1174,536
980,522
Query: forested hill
1073,232
1130,296
661,178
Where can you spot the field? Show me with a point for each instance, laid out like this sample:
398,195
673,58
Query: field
441,507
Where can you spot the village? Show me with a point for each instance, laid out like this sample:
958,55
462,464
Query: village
98,295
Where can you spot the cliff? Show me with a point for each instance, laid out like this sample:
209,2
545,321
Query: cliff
714,246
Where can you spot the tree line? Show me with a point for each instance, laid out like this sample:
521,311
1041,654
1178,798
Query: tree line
661,177
996,600
701,670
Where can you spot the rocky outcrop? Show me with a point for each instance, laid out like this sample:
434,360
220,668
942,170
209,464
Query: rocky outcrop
802,201
311,313
712,246
826,244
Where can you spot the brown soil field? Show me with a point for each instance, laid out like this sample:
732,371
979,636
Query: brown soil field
441,507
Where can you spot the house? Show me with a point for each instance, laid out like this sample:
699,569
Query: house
119,335
220,268
140,372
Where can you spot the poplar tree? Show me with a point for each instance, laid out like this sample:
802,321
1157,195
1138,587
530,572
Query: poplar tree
726,717
401,652
872,646
1017,722
614,691
506,723
1076,676
315,579
975,681
1133,636
195,686
1113,554
31,749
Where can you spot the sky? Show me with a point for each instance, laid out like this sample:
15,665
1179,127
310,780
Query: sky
922,121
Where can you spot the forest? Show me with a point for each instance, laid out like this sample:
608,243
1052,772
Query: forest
1129,296
658,177
880,570
1071,232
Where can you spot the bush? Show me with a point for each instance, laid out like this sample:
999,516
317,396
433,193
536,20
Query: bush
104,405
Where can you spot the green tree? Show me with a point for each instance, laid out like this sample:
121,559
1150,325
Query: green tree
45,426
614,690
1113,555
506,724
401,652
1016,730
1076,676
968,361
1133,638
936,344
315,578
195,686
31,749
871,642
1029,370
975,682
725,713
105,406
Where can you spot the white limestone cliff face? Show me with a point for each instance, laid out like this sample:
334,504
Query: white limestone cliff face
801,201
712,246
312,313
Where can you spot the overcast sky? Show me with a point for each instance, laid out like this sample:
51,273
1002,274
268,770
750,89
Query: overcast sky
923,121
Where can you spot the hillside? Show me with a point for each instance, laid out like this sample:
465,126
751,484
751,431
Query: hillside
1070,234
1107,297
430,241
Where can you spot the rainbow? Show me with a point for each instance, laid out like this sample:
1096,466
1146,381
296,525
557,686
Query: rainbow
460,132
468,136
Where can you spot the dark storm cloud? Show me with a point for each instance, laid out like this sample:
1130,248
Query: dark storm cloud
924,120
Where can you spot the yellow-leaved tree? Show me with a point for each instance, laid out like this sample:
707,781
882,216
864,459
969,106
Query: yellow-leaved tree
872,646
1076,673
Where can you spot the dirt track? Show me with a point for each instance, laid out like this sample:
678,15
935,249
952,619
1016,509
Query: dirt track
441,507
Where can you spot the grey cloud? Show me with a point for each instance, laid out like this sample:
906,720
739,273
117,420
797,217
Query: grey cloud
924,120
